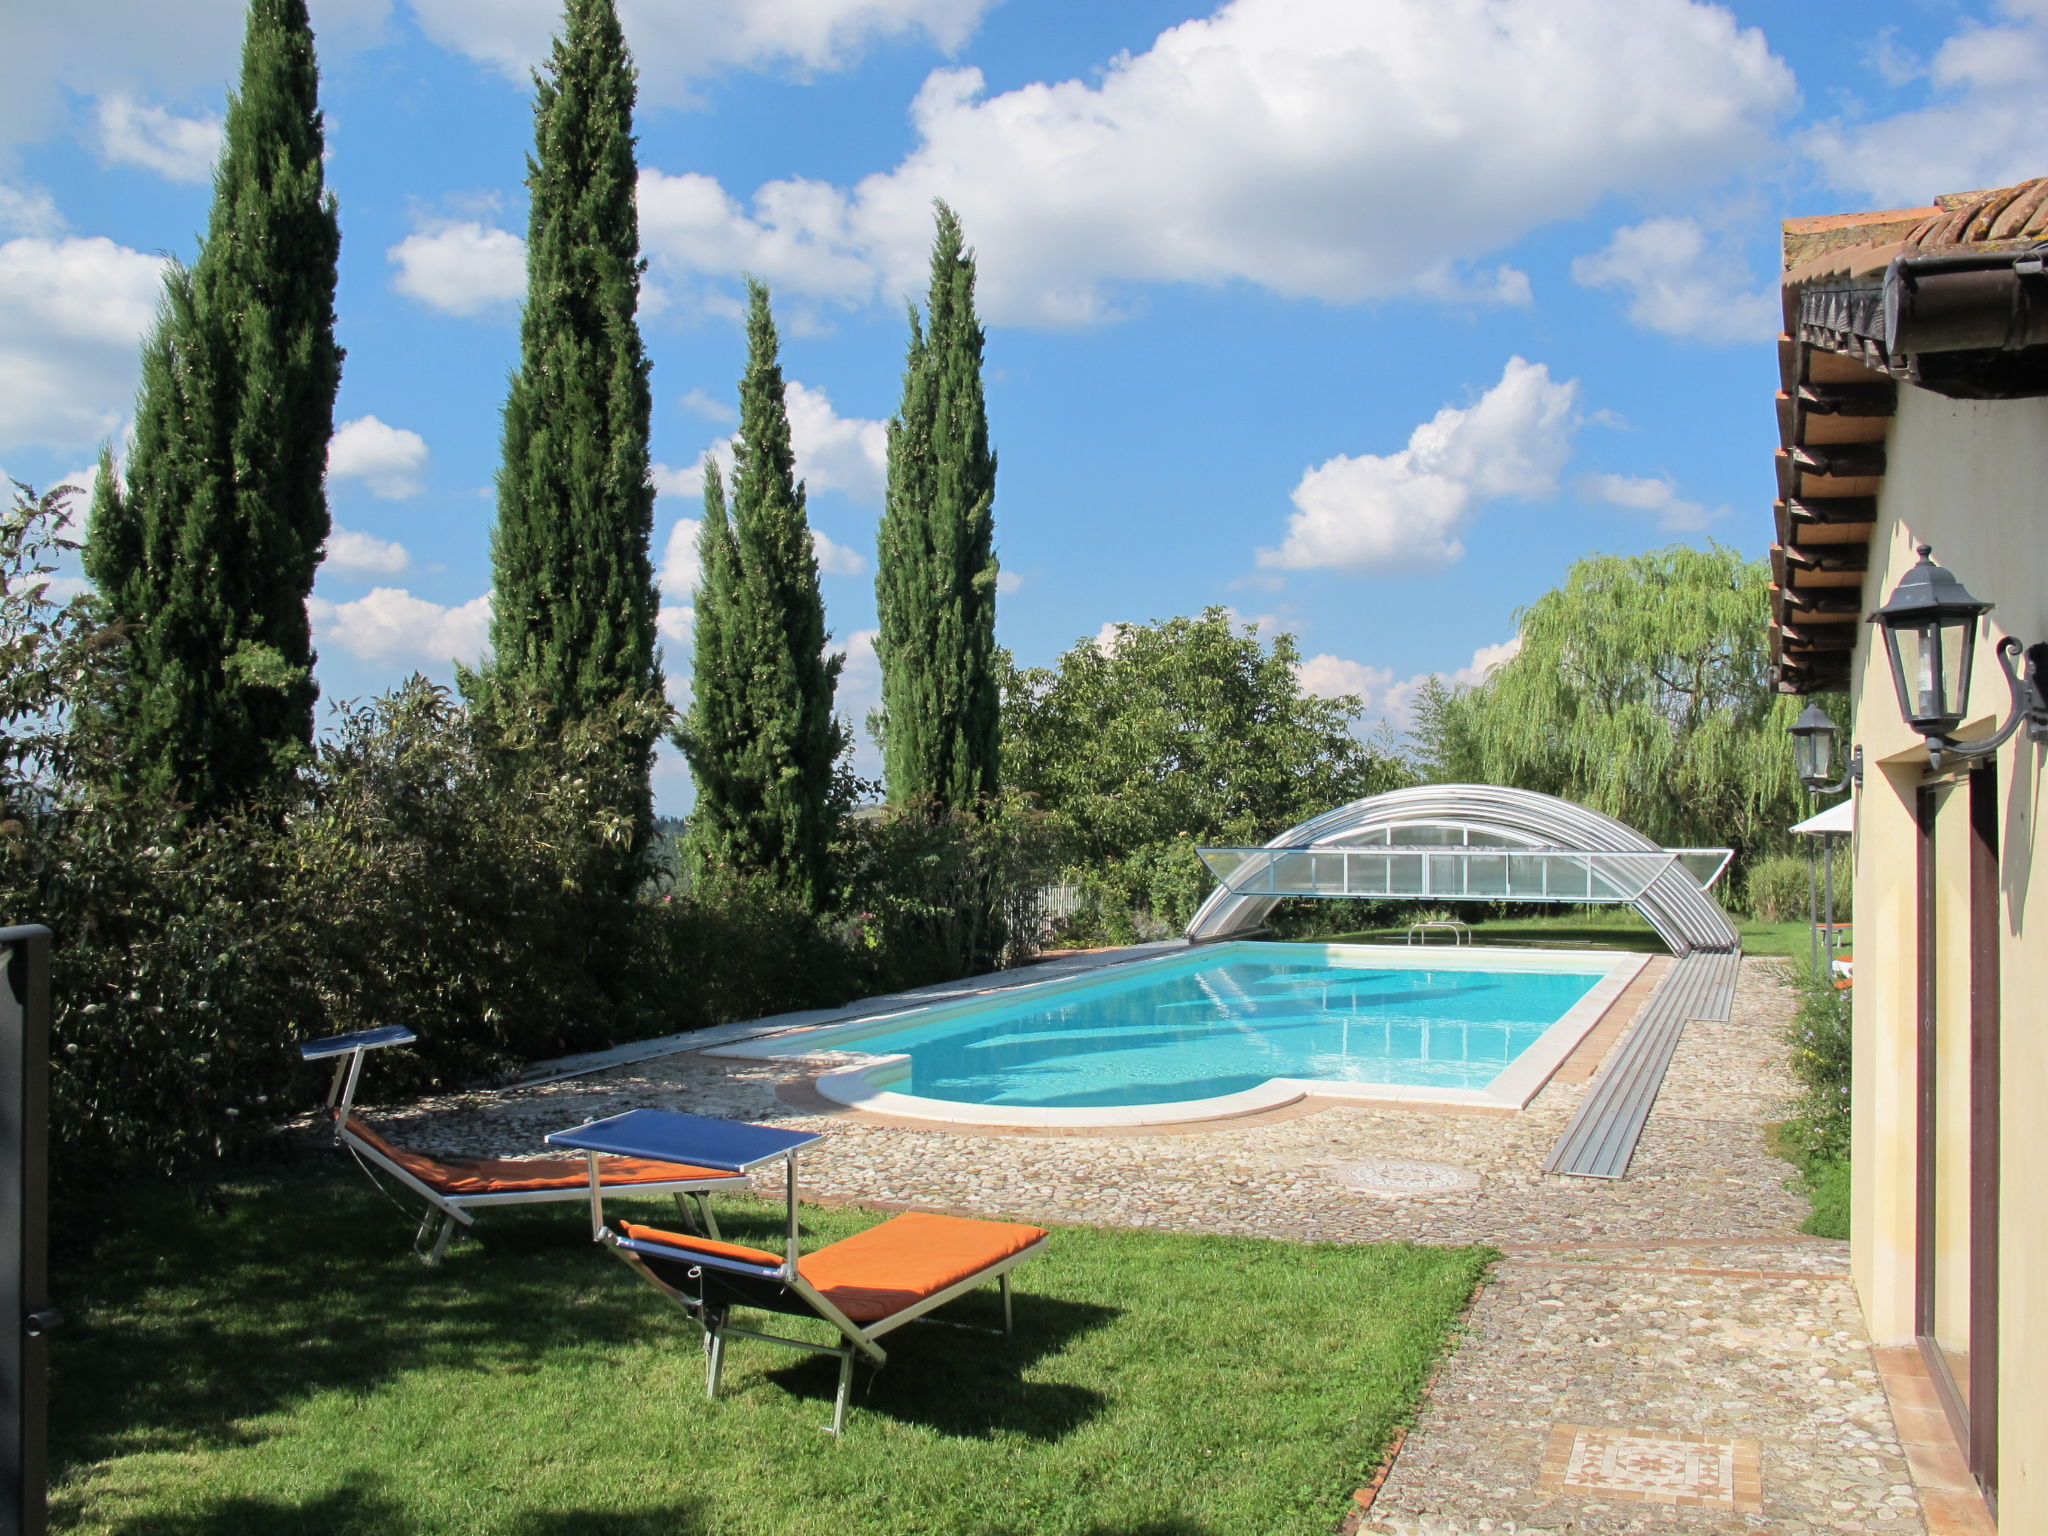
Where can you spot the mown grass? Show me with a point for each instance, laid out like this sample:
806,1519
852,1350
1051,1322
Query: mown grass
1617,928
281,1364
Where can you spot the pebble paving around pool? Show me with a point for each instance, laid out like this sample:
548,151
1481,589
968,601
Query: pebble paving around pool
1679,1301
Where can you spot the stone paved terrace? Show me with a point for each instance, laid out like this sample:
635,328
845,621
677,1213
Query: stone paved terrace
1677,1302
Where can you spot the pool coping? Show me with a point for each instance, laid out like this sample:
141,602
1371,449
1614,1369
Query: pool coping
857,1080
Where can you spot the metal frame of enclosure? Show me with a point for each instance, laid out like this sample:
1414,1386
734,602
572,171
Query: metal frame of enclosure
1470,842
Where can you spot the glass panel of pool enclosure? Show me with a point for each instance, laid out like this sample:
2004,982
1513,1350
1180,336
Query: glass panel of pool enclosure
1470,842
1450,874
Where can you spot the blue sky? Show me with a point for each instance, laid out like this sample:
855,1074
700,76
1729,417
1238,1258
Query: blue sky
1362,317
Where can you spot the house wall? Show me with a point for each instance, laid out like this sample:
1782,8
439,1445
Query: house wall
1971,479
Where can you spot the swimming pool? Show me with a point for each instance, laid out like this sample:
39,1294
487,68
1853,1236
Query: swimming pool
1224,1029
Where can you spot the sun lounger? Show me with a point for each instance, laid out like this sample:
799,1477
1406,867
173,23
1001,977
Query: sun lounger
864,1286
455,1190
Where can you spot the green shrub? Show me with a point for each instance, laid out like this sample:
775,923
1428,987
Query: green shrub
737,949
181,961
465,869
929,894
1776,890
467,876
1827,1186
1816,1139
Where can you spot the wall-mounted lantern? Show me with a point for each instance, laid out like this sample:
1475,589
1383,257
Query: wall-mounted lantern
1930,628
1813,748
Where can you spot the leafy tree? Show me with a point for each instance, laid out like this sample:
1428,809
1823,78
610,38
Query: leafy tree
1643,690
574,605
761,738
1187,728
935,579
212,549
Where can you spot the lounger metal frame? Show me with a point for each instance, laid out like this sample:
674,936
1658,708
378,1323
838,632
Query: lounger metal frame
448,1211
770,1288
777,1288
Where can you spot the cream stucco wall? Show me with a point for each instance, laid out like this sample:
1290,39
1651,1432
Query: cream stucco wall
1971,479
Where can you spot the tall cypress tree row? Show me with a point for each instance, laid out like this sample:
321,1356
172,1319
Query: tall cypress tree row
760,737
213,548
935,579
574,601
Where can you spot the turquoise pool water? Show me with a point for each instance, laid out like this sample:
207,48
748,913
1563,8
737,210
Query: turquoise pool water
1216,1025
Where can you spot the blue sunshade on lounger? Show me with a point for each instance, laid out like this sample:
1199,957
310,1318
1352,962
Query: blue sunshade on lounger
363,1039
669,1136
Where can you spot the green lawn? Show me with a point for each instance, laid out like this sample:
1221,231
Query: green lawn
283,1365
1614,928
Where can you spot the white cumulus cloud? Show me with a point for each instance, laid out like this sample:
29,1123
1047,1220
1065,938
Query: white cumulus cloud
677,622
834,558
1982,125
680,567
1407,510
460,267
392,461
676,44
1331,677
1396,703
390,624
1682,284
28,211
1655,496
364,554
848,454
72,317
702,403
1318,148
837,453
182,54
178,148
679,573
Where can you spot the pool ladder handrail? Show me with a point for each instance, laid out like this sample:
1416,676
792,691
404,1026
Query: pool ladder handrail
1460,932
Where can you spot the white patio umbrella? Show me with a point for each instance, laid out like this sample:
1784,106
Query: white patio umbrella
1836,818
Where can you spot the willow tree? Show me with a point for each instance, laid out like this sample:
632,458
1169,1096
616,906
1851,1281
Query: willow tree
1643,690
574,607
209,553
761,738
935,574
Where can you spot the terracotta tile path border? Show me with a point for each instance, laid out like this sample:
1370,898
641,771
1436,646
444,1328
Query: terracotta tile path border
1949,1499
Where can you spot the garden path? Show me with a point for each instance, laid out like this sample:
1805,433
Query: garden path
1679,1302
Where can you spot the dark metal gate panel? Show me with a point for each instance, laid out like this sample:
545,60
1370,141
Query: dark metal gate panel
1602,1136
25,1313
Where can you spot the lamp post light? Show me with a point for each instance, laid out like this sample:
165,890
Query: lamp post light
1813,748
1930,627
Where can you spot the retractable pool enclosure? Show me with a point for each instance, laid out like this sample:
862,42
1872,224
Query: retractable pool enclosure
1470,842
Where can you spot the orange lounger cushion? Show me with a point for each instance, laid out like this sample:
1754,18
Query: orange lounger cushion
510,1176
876,1273
708,1245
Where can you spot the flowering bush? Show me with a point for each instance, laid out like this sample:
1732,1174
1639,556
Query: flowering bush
1821,1040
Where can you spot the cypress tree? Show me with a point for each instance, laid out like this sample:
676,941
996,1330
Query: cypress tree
574,601
761,739
212,549
935,580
